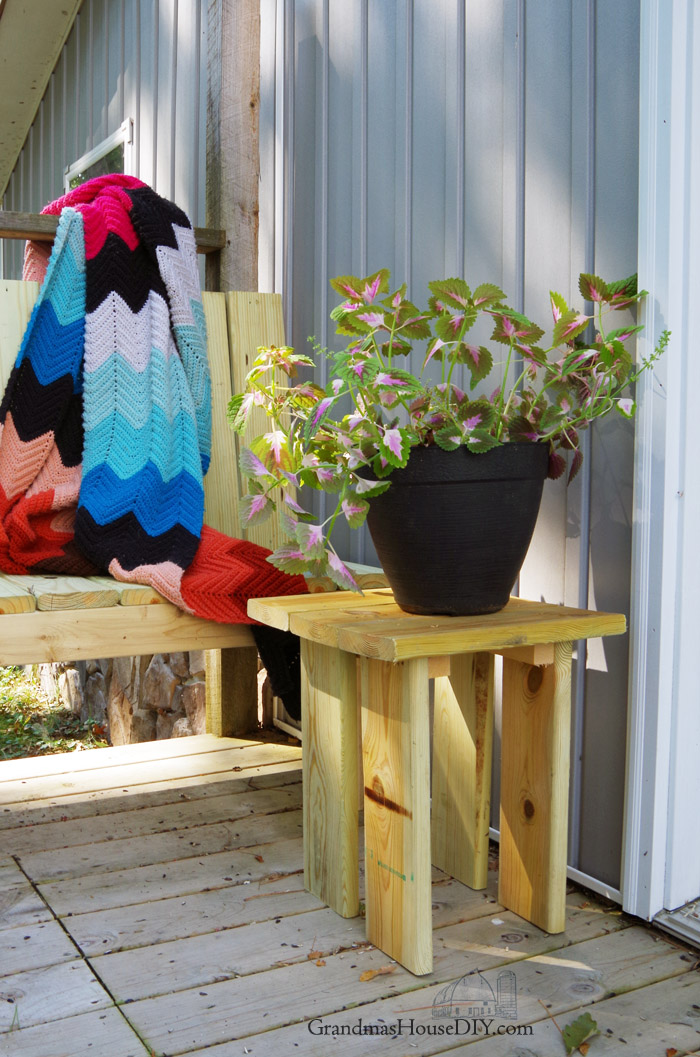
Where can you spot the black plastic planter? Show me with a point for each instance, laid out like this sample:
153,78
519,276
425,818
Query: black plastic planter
453,530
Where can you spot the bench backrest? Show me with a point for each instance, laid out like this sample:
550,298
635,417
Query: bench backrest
237,323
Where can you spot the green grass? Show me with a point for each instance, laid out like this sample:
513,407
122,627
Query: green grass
32,725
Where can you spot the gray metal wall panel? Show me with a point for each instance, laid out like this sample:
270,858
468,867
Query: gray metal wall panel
140,59
498,141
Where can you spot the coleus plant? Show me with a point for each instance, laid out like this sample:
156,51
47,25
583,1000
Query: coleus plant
348,437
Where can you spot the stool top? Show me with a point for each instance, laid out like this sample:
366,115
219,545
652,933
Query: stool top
372,625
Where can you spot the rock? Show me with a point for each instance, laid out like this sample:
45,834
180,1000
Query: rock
119,712
159,685
178,664
70,691
181,728
143,725
165,722
48,680
95,699
123,671
194,703
197,662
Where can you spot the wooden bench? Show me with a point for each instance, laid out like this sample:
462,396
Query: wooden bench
61,618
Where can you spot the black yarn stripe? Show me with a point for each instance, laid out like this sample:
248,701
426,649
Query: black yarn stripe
127,540
117,269
38,408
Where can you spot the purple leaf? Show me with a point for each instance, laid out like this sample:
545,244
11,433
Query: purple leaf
251,465
374,319
292,503
340,574
255,509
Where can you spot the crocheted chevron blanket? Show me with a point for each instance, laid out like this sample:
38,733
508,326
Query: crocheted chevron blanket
105,424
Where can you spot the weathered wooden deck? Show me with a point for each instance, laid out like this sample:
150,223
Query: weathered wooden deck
152,902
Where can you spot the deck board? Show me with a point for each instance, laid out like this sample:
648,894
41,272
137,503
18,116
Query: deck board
168,879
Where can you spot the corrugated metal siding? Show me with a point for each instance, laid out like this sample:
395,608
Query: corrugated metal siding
498,141
139,59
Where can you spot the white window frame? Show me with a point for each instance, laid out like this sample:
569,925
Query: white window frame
124,135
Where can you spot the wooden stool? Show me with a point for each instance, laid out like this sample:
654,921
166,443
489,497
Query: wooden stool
397,654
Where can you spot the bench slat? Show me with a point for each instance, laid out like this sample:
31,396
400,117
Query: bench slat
129,594
15,599
66,592
119,631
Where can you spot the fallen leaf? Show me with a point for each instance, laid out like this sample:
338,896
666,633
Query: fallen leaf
369,974
671,1052
576,1033
584,1048
320,961
314,954
259,858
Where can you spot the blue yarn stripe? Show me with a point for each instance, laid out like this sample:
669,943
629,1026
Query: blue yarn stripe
158,505
169,445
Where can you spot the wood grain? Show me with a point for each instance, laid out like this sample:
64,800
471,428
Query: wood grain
15,598
120,631
535,739
42,228
330,765
231,691
396,762
56,593
462,746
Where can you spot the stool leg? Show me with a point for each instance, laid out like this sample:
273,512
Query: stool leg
535,743
462,745
329,769
396,756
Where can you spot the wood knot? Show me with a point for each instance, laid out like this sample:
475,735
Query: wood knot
528,809
378,789
534,679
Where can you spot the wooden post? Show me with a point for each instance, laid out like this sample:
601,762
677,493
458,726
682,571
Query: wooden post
462,744
396,757
330,807
535,743
231,691
233,155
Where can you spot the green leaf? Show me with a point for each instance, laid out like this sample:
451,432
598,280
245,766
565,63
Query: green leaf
513,326
290,559
477,358
448,438
569,326
559,305
453,292
584,1027
622,333
479,441
488,294
593,288
367,488
255,509
355,511
449,326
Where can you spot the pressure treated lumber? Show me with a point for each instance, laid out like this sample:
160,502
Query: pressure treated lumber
253,320
15,598
66,592
462,743
330,767
390,634
396,762
535,742
232,688
120,631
